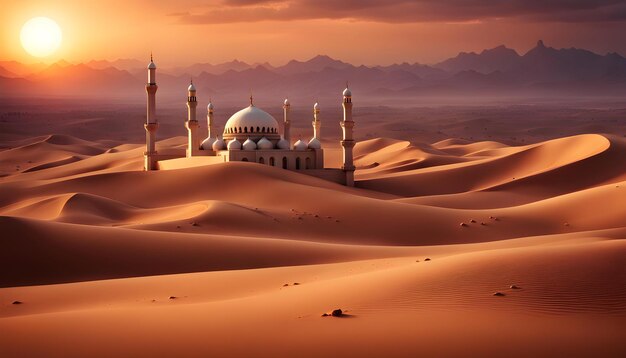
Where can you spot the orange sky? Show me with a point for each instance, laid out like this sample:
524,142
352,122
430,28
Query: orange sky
361,32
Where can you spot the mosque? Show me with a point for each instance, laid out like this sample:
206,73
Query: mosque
250,135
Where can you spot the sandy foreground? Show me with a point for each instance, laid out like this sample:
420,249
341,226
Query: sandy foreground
241,259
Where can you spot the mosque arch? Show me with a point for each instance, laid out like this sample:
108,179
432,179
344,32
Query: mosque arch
298,163
284,162
272,162
261,160
307,163
244,159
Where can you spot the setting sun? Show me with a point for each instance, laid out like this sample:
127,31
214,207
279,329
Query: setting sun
41,36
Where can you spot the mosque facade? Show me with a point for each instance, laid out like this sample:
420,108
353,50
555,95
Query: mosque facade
250,135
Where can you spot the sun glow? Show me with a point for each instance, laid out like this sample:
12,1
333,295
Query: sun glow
40,36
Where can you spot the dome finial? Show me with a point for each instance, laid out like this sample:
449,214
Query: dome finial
251,98
151,57
347,84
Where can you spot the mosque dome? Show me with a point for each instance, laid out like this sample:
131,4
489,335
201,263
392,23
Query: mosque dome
287,102
264,143
234,144
251,122
191,88
219,144
282,143
249,144
316,106
151,65
314,143
209,107
207,144
300,145
347,92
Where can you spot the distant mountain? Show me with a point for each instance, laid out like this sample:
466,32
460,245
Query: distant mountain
62,78
315,64
121,64
423,71
6,73
546,64
499,58
15,87
198,68
495,72
21,69
541,64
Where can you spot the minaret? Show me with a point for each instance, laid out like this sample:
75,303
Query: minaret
348,142
286,109
193,145
151,126
209,119
317,124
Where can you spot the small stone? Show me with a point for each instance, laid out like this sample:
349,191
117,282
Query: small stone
325,315
173,297
296,283
498,294
513,287
285,285
566,224
417,260
427,259
336,221
483,224
473,221
17,302
463,225
337,313
195,224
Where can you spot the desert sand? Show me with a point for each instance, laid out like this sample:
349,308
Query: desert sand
101,259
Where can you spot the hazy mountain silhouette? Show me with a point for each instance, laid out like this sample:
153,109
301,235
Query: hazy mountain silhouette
497,71
499,58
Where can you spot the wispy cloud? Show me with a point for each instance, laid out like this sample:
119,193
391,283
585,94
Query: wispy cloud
407,11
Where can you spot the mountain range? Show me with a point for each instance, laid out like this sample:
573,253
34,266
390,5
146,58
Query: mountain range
541,71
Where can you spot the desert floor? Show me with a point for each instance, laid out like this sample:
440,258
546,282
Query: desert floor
452,204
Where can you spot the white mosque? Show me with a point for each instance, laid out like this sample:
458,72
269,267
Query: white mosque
250,135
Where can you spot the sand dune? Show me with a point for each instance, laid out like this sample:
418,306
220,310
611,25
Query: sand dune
95,248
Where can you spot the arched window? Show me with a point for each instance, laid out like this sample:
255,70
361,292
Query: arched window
298,163
284,162
244,159
308,163
257,129
263,130
272,163
245,129
262,160
239,129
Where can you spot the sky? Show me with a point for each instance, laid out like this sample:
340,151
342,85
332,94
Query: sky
366,32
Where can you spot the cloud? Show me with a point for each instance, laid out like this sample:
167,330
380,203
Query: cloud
407,11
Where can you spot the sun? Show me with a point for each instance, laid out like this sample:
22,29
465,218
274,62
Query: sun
41,36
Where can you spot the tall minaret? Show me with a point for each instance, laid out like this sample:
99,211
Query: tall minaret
348,142
209,119
151,126
317,124
286,110
193,145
